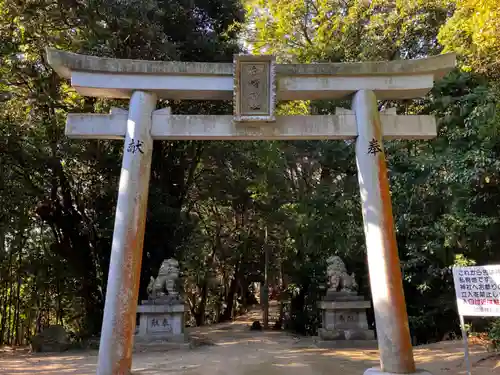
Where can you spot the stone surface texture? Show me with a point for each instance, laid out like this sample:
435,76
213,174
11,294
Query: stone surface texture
118,78
51,339
343,311
254,88
213,127
115,353
65,62
162,314
393,332
338,278
165,283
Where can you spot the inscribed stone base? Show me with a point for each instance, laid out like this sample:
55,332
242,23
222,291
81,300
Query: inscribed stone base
377,371
343,318
161,323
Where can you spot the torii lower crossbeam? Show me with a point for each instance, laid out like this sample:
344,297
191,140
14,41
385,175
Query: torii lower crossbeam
208,127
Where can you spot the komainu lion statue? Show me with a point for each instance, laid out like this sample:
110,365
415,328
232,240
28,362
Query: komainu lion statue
165,283
338,278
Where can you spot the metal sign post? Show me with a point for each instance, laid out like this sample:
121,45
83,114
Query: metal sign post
466,345
478,294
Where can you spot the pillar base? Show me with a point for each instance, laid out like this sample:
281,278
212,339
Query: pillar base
378,371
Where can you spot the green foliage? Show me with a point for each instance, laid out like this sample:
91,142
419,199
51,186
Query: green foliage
474,32
494,333
60,195
353,30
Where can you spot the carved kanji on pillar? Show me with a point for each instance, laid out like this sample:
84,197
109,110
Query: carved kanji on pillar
254,88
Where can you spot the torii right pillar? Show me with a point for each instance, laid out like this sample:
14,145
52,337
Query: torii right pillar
393,332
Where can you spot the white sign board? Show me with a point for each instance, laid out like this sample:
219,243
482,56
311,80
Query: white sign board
477,290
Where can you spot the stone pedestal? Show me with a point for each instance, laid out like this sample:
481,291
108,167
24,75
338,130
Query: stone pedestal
344,321
161,320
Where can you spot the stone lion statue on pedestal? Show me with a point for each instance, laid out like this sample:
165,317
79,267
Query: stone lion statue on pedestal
165,283
338,278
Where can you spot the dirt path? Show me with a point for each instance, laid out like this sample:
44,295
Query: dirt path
238,351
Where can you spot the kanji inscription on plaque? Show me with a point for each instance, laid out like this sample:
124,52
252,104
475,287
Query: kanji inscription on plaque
254,88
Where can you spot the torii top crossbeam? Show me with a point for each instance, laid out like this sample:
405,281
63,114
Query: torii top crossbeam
118,78
255,83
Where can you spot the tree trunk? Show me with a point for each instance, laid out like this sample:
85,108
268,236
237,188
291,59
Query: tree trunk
59,312
9,304
18,295
27,329
233,288
3,309
17,313
200,313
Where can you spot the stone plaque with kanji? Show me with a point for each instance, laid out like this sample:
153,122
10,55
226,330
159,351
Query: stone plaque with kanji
254,88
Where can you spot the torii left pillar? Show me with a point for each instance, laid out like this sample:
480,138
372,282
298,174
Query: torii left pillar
115,351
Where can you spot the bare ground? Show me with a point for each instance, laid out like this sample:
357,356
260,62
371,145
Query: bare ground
238,351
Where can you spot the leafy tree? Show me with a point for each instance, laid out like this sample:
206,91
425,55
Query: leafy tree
66,190
474,32
218,206
444,209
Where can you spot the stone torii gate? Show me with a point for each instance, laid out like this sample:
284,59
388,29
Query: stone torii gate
255,83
